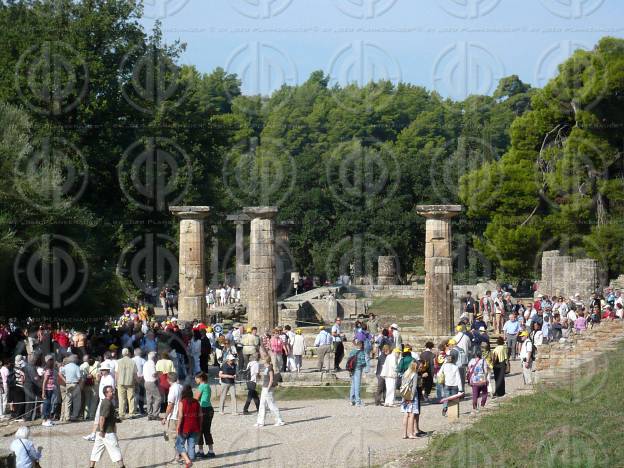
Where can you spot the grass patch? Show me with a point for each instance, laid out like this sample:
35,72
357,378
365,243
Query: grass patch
399,307
576,424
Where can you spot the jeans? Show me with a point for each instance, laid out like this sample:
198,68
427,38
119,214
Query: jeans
354,394
181,366
449,391
381,390
186,445
47,404
252,395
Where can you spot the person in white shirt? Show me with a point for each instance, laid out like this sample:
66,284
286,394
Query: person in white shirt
111,362
291,366
390,374
152,393
253,368
106,379
298,349
453,384
171,415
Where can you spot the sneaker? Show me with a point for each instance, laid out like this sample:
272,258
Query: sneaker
279,423
90,437
258,425
211,455
47,424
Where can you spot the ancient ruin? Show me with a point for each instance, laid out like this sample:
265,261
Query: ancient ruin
261,283
387,270
438,314
239,220
191,296
563,275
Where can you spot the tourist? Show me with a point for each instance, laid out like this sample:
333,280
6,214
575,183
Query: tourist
323,343
227,375
48,389
253,371
527,356
511,330
189,425
139,386
427,358
126,378
397,340
106,434
380,394
469,305
404,363
152,392
410,404
449,376
298,349
90,369
478,371
580,324
205,435
26,454
338,338
106,380
500,359
171,413
195,348
277,350
460,355
486,308
358,357
72,378
251,345
390,374
269,383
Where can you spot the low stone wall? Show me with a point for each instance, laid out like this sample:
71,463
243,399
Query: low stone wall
555,360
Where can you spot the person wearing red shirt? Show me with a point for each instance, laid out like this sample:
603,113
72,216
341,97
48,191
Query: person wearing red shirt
189,425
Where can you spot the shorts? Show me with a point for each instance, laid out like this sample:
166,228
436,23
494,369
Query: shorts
411,407
108,442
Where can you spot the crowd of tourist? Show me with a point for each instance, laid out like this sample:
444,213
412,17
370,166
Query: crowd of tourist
138,366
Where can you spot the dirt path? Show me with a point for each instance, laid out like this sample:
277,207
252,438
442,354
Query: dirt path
317,433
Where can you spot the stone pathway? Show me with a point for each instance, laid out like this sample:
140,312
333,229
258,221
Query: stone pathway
317,433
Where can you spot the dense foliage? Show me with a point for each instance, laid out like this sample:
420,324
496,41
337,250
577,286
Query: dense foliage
86,95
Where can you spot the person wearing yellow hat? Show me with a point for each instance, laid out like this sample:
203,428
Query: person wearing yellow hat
389,374
298,349
323,342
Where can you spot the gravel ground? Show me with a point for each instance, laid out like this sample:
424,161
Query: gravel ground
317,433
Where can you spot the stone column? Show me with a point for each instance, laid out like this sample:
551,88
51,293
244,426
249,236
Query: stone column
261,295
214,259
192,293
239,220
386,270
438,268
283,259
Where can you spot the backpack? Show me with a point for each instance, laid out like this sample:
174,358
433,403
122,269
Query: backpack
352,362
462,357
408,385
477,375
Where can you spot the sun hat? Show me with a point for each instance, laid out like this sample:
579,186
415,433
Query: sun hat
482,328
394,326
105,366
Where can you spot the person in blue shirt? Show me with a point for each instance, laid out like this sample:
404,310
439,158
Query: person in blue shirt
511,330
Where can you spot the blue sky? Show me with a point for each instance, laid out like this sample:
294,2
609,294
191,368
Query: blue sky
457,47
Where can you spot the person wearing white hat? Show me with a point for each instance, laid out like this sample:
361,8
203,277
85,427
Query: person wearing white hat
152,393
106,380
227,374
